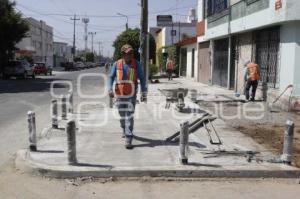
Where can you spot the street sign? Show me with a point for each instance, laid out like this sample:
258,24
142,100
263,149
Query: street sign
164,20
173,32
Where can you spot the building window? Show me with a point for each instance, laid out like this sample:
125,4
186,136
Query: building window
215,6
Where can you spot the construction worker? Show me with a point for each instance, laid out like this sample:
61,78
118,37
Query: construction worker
251,77
170,68
127,71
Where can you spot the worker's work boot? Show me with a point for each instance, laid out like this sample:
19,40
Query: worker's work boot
128,142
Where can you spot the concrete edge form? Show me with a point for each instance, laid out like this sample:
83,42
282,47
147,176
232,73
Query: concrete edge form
25,164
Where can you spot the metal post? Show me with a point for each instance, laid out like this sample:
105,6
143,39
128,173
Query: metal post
70,103
265,91
32,130
64,107
229,62
111,102
172,33
143,36
93,34
288,142
71,138
74,35
183,143
54,115
194,95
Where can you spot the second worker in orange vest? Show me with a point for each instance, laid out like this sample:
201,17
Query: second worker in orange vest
252,76
127,71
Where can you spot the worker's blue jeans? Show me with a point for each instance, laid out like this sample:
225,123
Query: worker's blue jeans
126,107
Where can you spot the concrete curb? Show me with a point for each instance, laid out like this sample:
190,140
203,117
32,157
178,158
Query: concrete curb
26,164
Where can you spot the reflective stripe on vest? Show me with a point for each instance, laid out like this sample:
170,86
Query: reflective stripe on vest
126,86
253,72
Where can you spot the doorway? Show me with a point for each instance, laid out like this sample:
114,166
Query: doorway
220,68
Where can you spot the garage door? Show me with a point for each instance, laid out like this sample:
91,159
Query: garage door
204,66
220,69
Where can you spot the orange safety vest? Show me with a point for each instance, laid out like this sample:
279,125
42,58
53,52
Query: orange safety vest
126,86
253,72
170,65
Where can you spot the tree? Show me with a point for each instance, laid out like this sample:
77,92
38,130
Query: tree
13,29
132,37
78,59
90,57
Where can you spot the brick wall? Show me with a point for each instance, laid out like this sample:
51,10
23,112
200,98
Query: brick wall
201,28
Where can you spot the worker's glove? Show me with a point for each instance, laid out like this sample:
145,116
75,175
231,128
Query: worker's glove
144,97
111,94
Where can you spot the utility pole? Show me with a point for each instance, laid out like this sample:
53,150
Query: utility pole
74,35
85,21
92,33
144,48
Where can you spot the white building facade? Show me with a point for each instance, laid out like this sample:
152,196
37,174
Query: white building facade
177,32
189,58
61,53
39,42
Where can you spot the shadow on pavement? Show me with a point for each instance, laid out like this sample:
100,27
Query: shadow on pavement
195,164
157,143
28,85
49,151
93,165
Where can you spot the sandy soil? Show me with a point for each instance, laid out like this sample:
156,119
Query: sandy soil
267,130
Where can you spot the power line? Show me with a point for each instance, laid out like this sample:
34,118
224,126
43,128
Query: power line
39,13
66,15
50,33
107,16
66,6
56,6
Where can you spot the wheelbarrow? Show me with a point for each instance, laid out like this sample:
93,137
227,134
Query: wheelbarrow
175,96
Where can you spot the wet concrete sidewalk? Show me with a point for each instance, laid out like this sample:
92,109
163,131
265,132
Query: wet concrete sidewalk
101,151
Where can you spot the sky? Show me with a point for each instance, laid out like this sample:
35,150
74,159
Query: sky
103,16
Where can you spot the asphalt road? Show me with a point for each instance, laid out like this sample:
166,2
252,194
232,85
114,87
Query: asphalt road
14,184
18,96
